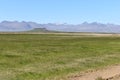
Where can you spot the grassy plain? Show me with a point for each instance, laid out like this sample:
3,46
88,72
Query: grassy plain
54,56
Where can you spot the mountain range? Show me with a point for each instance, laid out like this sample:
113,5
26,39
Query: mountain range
13,26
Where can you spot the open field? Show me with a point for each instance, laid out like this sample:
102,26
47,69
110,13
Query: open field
55,56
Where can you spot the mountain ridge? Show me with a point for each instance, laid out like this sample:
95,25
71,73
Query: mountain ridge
83,27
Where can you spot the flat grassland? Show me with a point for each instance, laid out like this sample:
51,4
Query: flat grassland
54,56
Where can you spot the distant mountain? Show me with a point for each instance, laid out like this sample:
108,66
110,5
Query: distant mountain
14,26
84,27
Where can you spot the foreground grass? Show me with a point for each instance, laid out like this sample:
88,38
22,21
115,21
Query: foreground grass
54,57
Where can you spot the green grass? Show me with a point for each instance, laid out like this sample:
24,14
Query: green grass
54,56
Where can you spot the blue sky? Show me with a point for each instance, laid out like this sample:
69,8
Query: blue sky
61,11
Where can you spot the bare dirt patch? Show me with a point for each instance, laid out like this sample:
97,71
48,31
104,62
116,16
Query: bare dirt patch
109,73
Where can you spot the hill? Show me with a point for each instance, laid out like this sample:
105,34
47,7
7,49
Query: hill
39,30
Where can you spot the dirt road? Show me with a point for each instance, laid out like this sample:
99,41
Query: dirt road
109,73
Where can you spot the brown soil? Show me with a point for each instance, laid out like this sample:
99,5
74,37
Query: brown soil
109,73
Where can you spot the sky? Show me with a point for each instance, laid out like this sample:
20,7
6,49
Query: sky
61,11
